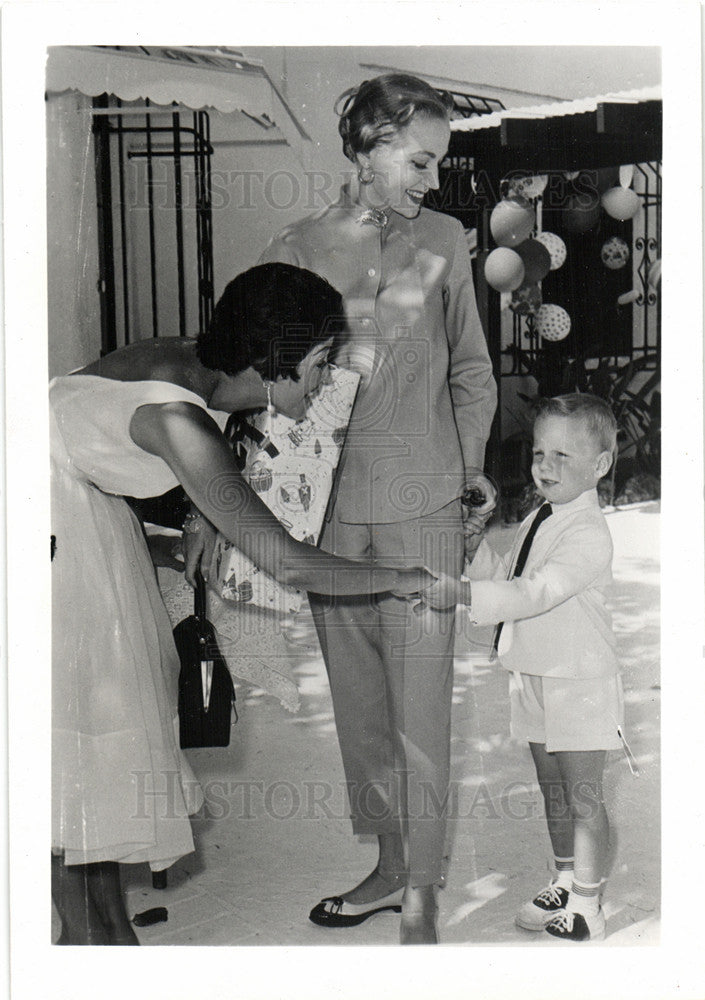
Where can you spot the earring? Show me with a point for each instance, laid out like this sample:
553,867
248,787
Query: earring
271,412
365,175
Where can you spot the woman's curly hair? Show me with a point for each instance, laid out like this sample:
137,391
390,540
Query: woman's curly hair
269,318
376,110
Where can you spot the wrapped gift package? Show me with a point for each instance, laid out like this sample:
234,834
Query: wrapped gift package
291,469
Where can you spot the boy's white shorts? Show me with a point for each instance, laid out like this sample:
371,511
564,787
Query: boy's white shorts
565,713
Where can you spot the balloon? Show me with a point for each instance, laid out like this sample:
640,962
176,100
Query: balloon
556,248
626,175
526,300
654,274
537,260
504,269
621,203
552,322
626,297
512,221
528,187
614,253
581,212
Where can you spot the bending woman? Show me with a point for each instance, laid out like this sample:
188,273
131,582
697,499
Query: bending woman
138,422
417,435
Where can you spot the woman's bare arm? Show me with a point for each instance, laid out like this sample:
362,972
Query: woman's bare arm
191,444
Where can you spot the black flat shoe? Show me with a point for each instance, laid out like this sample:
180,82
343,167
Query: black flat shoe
334,911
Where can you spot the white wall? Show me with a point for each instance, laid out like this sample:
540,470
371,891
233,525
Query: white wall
72,265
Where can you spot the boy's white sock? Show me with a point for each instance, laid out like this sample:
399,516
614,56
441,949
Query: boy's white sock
584,898
564,872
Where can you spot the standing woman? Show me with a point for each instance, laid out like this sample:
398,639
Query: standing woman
418,431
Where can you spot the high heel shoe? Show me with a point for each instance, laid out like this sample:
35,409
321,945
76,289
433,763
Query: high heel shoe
334,911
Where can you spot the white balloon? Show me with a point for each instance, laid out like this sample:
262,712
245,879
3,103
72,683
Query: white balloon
512,221
621,203
626,175
504,269
628,297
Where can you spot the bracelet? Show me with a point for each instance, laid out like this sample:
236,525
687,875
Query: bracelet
192,523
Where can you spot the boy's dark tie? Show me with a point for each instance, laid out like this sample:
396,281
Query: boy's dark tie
544,511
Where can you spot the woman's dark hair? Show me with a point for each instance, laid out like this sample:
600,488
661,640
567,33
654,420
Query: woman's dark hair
376,110
269,318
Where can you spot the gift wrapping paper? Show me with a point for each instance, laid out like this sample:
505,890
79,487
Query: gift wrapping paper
291,469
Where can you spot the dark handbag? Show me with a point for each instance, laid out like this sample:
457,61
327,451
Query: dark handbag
206,690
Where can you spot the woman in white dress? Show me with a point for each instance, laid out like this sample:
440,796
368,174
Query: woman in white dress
137,423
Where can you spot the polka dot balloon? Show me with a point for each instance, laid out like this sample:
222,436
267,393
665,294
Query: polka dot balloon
556,248
528,187
614,253
552,322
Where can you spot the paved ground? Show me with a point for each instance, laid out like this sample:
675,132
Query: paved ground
274,837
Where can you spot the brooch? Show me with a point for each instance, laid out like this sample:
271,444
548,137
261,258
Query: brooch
373,217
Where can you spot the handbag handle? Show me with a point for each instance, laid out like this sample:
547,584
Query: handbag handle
199,599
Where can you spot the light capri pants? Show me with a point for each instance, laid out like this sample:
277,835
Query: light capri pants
391,677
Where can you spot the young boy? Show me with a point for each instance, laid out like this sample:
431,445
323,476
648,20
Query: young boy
556,638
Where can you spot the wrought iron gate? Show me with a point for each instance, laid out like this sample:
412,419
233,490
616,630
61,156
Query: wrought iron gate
174,248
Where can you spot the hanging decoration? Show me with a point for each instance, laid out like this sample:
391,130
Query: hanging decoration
621,203
512,221
526,300
536,258
626,175
614,253
552,322
504,269
527,187
556,248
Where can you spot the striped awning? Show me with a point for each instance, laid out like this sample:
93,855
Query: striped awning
593,132
557,109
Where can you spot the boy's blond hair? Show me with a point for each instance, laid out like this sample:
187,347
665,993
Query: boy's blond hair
598,418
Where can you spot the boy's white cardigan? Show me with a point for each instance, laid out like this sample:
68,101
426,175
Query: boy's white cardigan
557,623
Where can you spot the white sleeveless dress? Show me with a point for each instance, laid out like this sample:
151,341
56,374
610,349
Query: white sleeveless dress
122,790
